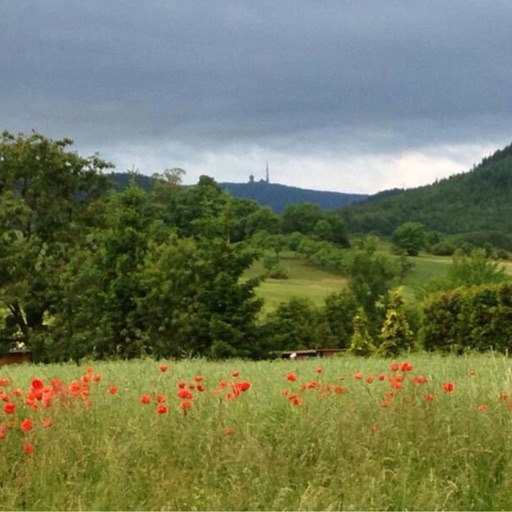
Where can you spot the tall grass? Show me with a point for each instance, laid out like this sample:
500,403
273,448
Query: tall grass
331,439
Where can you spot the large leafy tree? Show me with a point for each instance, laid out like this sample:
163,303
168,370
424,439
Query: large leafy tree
410,237
98,314
197,301
45,197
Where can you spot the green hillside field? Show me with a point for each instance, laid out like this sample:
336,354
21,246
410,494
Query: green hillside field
306,280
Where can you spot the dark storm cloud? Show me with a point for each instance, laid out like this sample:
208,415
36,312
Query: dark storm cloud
295,76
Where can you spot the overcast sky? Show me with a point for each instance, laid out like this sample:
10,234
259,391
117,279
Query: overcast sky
344,95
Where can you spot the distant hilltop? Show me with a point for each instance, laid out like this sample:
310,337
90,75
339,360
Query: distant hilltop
264,193
278,196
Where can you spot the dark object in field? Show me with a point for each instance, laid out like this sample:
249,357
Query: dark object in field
306,354
16,357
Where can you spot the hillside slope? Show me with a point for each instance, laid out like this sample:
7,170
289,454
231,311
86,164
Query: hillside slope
266,194
279,196
479,200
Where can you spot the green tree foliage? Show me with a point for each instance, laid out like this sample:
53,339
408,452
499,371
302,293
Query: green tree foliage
477,318
45,197
361,342
395,335
474,201
371,276
473,269
296,324
339,311
196,301
99,314
308,219
301,218
409,237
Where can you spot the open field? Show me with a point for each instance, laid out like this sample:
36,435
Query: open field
306,280
325,434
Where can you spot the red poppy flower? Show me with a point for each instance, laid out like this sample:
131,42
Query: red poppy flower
406,367
369,379
185,405
223,384
162,409
381,377
27,425
113,390
394,367
229,431
145,399
200,388
89,369
37,383
429,397
235,373
242,386
504,396
419,379
291,377
3,432
339,390
47,422
182,384
319,370
4,397
185,394
163,367
4,382
448,387
482,407
16,392
9,407
96,378
28,448
198,378
358,375
295,400
160,398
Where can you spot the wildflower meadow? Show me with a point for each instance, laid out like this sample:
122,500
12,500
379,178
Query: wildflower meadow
425,432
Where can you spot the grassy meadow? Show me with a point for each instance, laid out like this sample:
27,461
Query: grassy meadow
307,280
426,433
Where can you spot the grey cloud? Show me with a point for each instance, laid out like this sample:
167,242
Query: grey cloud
294,76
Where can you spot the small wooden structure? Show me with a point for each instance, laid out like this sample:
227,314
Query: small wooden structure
16,356
306,354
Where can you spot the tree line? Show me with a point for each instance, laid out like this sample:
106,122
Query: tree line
90,271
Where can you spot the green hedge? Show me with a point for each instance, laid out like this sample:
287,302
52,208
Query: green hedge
469,318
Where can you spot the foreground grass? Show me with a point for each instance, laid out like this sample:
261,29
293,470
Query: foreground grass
333,439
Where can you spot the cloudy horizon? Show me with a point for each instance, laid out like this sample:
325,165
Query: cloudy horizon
337,95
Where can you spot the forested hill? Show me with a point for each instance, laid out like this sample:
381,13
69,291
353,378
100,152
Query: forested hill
479,200
266,194
279,196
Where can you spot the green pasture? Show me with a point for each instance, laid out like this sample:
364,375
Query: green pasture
307,280
326,434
